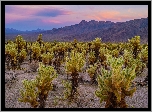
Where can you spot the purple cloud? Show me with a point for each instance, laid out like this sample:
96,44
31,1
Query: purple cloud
53,12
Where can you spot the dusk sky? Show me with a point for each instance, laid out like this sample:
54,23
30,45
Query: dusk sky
32,17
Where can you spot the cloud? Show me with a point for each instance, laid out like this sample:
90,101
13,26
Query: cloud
52,12
14,17
109,14
114,16
14,13
47,21
22,12
103,15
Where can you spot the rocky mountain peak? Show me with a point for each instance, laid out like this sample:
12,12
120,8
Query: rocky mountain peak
83,22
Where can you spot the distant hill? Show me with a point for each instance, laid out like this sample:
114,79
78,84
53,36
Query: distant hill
87,31
14,31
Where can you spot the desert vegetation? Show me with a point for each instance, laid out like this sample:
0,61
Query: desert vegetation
76,74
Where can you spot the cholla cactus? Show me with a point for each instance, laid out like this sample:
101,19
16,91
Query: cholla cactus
75,62
45,58
39,39
68,88
135,46
21,56
11,52
92,72
36,51
92,57
73,65
128,57
29,93
102,56
129,61
96,44
21,43
144,55
36,91
114,85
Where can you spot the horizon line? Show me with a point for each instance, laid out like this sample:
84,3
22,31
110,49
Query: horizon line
74,24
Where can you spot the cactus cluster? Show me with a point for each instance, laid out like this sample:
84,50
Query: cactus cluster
36,91
114,85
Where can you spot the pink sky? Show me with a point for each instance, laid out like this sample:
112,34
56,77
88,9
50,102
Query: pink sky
28,17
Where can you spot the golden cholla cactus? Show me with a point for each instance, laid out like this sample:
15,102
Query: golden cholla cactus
96,44
11,49
140,66
128,58
22,54
21,57
11,52
36,51
39,87
21,43
115,53
73,65
85,46
28,93
129,61
45,58
135,46
46,74
144,55
75,62
91,70
102,55
43,49
114,85
68,88
39,39
91,57
47,45
50,56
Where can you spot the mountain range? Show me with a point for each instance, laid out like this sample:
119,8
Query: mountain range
87,31
14,31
